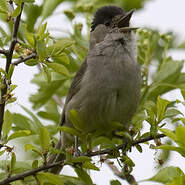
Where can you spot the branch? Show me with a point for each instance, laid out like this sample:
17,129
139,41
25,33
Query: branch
21,60
3,51
108,151
21,176
128,177
8,62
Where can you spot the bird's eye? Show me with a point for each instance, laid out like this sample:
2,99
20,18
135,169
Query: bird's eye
107,23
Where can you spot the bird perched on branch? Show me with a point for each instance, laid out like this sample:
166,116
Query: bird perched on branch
106,88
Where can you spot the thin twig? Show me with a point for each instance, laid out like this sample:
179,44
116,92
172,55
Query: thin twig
128,177
21,176
8,62
108,151
21,60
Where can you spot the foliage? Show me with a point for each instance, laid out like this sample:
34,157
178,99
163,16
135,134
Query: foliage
58,60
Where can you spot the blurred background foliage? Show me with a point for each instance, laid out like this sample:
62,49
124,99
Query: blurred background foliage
58,59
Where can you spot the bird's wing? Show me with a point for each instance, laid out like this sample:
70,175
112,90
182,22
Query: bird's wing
75,87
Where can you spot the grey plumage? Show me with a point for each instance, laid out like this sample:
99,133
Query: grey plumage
107,86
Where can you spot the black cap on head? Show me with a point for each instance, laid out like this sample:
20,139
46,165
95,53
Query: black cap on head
105,14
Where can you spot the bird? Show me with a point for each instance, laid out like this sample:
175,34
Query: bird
106,88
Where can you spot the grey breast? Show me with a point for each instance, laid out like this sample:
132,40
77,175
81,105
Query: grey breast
109,89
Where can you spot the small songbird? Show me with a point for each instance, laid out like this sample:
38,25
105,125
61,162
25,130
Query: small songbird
106,88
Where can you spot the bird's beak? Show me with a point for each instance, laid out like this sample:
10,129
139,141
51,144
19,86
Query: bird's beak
124,20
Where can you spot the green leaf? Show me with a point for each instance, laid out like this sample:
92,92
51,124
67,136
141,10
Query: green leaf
29,36
45,93
70,130
80,159
7,124
42,29
31,62
90,166
21,122
28,147
50,177
2,152
180,134
177,181
82,174
161,108
172,148
49,7
35,164
13,161
47,72
32,12
62,59
20,133
74,118
57,49
4,6
115,182
172,113
59,68
41,50
17,11
10,71
166,175
44,139
168,133
36,123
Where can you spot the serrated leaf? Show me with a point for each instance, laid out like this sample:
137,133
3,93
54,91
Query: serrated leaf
82,174
59,68
7,124
50,177
20,133
166,175
44,139
70,130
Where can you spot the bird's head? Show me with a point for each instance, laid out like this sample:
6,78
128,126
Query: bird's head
112,17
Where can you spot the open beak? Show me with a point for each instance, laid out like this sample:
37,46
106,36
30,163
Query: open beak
124,20
123,23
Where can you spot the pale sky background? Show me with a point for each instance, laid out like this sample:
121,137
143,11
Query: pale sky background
165,15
